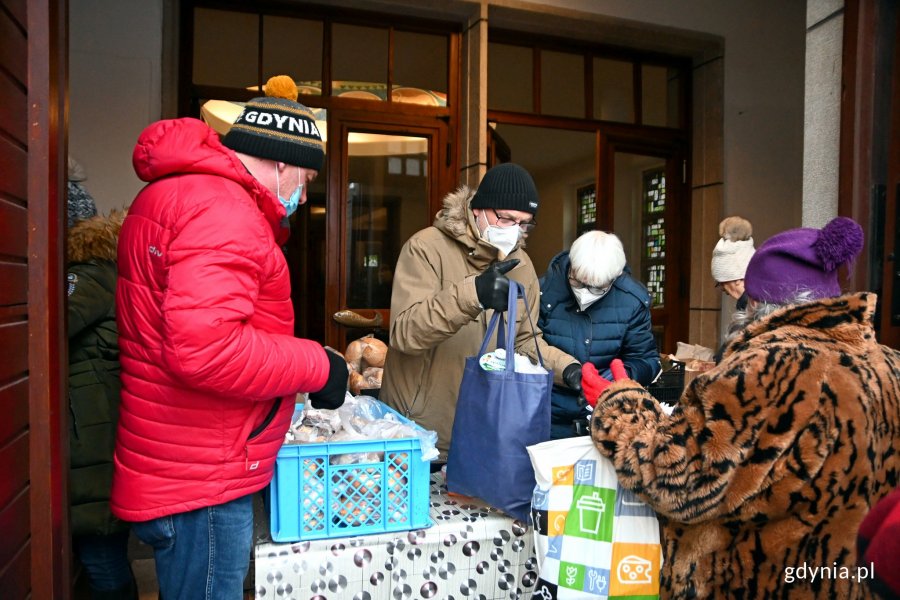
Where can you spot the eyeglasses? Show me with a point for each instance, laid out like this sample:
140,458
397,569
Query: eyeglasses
580,285
525,226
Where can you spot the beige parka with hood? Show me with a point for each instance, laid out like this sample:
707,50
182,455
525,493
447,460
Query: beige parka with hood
437,321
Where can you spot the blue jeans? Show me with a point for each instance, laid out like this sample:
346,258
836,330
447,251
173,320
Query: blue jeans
105,559
204,553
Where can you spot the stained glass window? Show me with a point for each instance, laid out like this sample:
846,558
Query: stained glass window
587,208
655,191
656,283
654,234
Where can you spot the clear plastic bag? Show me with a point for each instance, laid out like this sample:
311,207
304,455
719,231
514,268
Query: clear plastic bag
359,418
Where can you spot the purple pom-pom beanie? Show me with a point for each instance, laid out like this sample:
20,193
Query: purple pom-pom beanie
803,259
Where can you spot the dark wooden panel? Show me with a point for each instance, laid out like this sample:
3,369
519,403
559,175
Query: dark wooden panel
13,351
13,109
14,525
13,284
47,62
17,9
13,167
15,516
16,580
14,408
13,229
10,314
14,48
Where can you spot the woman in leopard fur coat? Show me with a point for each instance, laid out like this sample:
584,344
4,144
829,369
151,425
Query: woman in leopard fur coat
769,462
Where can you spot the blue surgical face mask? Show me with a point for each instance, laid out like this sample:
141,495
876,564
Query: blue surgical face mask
291,204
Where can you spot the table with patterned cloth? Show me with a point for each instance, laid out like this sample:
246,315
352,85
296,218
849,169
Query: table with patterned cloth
471,551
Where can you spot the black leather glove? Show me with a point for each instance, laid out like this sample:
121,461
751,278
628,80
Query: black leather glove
572,377
492,286
332,394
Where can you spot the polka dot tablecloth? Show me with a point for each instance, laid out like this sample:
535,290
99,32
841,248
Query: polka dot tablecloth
472,552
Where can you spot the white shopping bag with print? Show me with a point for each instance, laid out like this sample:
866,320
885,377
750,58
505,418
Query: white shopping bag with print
593,539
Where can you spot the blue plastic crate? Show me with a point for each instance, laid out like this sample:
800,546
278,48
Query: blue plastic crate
311,499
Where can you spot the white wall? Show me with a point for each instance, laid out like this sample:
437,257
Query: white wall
115,54
824,47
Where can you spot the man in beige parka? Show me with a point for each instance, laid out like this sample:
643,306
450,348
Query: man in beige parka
446,281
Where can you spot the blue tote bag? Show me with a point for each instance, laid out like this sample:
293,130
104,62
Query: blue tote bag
498,414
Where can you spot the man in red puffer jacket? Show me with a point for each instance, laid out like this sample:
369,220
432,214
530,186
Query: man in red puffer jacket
210,366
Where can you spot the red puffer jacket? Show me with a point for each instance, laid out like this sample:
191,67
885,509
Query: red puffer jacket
205,329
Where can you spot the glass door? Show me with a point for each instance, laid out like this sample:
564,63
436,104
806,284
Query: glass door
387,187
386,202
650,214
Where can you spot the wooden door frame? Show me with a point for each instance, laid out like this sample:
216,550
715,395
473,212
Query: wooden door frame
442,166
677,215
867,190
47,22
890,314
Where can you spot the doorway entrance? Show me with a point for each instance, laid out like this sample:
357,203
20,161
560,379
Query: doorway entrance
386,91
627,185
644,196
385,181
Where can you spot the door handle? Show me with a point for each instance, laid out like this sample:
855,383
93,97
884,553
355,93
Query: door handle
349,318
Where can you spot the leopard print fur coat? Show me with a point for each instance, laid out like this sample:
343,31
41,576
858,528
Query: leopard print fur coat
770,460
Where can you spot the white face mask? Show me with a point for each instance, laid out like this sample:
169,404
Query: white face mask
585,297
502,238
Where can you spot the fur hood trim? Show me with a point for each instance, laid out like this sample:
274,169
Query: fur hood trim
458,221
95,238
454,217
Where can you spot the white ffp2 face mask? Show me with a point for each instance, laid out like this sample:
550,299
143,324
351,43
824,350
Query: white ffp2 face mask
502,238
585,297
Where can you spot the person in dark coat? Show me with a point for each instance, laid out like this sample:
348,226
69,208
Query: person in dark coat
100,539
593,309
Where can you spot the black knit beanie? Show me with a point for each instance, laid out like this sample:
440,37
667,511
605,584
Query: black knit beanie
507,186
278,129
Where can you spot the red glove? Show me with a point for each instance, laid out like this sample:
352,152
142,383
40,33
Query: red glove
594,385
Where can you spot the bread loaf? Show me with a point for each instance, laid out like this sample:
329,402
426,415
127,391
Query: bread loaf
353,355
365,352
374,352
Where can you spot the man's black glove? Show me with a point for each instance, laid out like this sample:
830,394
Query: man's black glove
572,377
492,286
332,394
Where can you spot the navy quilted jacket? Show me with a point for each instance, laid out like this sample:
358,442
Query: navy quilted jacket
617,325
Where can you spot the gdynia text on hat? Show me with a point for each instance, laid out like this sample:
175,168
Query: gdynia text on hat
294,124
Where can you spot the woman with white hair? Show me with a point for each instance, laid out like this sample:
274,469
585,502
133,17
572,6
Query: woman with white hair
592,309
